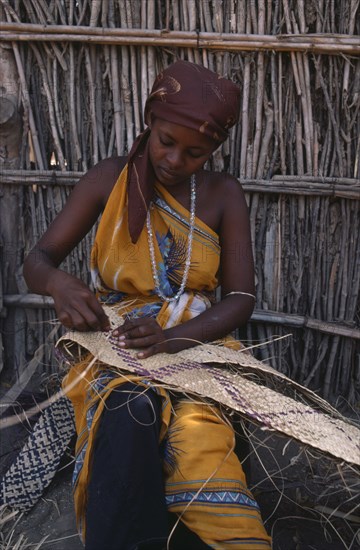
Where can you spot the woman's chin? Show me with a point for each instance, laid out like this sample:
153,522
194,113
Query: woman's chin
165,178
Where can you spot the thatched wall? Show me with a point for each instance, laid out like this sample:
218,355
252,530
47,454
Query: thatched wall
296,151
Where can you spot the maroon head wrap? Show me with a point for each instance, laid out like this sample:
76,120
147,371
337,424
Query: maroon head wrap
189,95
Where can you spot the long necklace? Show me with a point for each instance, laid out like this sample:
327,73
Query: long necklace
155,275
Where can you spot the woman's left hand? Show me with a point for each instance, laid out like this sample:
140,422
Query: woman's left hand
145,333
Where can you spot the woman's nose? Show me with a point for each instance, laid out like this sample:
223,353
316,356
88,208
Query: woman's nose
175,159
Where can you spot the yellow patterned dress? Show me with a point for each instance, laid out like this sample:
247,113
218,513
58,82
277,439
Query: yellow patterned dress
206,484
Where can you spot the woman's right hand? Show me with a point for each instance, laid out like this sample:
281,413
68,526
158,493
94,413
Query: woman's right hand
76,306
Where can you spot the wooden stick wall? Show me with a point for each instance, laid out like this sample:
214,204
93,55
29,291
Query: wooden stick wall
296,148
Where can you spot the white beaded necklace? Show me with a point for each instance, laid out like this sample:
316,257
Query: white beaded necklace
158,291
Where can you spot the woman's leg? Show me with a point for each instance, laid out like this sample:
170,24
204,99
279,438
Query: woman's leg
126,502
208,486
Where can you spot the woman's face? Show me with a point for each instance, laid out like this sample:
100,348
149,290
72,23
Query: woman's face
177,152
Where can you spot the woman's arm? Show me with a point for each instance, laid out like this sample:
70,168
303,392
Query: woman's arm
237,276
76,306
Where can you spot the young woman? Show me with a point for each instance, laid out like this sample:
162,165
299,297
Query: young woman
169,233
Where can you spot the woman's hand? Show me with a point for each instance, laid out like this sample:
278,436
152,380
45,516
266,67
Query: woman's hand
144,333
76,306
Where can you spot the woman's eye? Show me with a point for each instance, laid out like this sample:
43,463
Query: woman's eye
165,143
195,155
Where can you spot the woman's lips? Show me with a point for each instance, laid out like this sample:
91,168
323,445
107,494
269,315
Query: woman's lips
168,175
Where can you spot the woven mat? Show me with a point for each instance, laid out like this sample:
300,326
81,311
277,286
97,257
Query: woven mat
37,462
236,380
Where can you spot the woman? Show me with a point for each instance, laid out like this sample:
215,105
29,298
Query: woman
167,229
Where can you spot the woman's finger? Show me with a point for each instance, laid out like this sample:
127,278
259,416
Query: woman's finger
142,331
140,321
73,320
102,319
142,342
83,318
137,328
97,318
150,351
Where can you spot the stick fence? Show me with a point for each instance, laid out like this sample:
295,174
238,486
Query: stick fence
83,72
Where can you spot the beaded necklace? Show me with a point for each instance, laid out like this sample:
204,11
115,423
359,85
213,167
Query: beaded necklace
156,280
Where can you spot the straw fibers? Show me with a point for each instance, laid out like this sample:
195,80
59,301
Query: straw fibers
246,385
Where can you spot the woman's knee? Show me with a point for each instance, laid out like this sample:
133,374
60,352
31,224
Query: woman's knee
133,402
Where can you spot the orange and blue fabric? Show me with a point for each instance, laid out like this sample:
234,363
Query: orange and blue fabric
204,482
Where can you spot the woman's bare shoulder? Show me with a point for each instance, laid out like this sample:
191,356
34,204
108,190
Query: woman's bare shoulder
219,195
82,209
223,181
224,189
101,178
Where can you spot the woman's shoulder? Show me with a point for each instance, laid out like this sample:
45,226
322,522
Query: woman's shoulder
101,178
111,165
219,196
223,186
221,180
